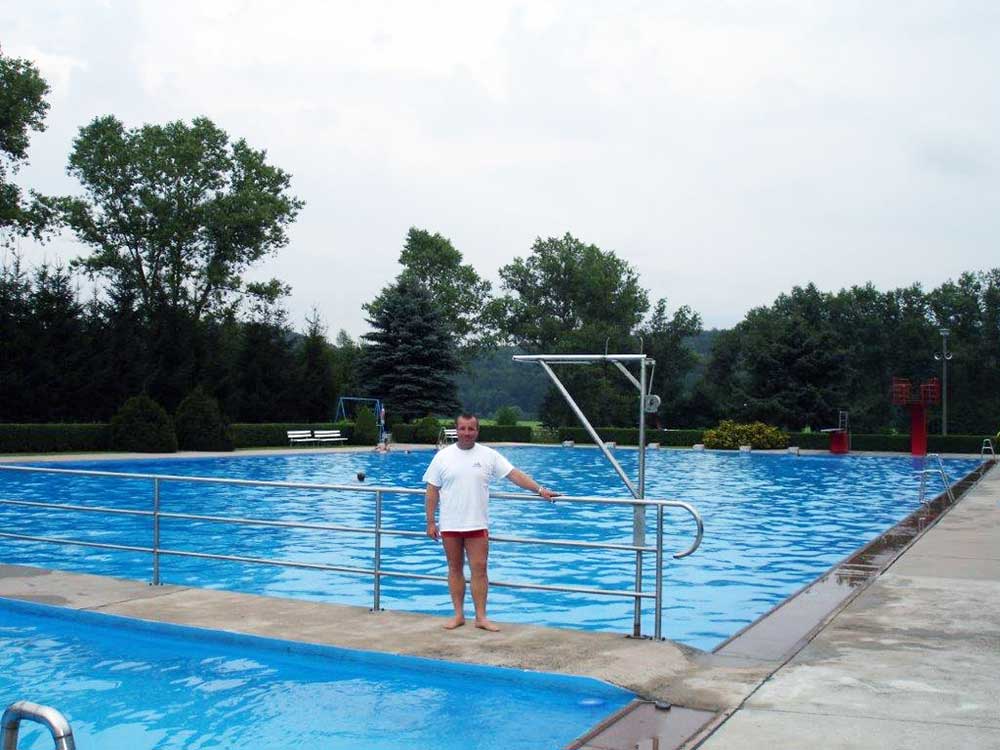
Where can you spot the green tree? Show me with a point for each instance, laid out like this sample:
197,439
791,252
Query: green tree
567,295
346,356
15,340
318,392
409,359
176,211
571,297
457,290
22,111
665,338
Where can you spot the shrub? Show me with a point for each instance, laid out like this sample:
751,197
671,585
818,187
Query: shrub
507,416
731,435
427,430
200,425
365,427
142,426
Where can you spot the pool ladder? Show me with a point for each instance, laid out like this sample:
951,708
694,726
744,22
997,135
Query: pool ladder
987,448
939,471
47,716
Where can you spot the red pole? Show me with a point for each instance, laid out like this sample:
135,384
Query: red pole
918,430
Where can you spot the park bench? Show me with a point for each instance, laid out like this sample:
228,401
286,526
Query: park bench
328,436
315,436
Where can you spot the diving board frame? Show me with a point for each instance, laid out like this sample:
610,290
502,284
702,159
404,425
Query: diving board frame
647,402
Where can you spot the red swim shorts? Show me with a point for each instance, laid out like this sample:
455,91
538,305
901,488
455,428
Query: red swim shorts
474,534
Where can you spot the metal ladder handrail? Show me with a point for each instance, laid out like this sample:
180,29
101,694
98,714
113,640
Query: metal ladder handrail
987,444
944,475
156,550
50,718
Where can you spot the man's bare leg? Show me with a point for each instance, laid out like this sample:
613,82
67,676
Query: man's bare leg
454,550
478,550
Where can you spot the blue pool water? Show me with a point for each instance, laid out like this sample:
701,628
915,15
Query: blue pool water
773,523
129,685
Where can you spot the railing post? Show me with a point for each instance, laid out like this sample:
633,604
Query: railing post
48,717
156,532
377,607
658,624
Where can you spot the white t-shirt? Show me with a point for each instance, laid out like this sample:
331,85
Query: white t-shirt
464,476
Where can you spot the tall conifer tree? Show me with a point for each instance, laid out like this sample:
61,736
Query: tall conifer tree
409,360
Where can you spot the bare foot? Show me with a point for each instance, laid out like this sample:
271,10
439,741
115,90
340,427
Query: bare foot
485,624
454,622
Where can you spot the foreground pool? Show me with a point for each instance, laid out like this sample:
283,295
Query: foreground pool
137,686
773,523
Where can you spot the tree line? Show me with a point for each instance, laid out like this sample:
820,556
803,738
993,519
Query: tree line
174,215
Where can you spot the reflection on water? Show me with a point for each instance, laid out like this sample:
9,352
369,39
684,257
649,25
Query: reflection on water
772,524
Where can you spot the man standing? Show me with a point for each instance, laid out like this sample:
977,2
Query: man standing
458,478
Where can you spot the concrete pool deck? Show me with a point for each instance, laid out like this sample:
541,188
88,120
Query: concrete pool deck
911,661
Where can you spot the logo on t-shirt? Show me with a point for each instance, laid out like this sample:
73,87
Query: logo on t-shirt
477,465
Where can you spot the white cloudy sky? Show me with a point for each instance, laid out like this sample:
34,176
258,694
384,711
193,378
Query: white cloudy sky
728,150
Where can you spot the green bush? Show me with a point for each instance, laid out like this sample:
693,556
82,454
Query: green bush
731,435
142,426
365,427
53,438
507,416
200,425
426,430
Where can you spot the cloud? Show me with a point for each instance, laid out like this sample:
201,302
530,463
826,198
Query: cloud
728,149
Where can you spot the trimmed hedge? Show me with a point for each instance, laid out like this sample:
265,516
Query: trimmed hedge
57,438
500,433
420,434
54,438
810,440
630,436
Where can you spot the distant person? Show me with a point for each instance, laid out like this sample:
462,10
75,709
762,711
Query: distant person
458,478
382,447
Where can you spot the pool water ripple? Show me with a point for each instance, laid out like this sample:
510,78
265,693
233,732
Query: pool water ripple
773,523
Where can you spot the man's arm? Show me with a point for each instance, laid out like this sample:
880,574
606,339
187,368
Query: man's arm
430,505
525,482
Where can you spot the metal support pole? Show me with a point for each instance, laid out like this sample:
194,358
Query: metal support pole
156,532
658,625
589,428
377,606
639,511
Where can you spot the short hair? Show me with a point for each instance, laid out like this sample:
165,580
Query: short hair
467,416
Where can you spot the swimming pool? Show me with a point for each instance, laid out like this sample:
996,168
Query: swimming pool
773,523
134,685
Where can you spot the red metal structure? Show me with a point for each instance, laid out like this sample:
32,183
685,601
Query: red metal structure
840,436
917,401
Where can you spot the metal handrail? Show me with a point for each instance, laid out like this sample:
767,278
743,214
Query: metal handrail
944,475
50,718
987,446
156,550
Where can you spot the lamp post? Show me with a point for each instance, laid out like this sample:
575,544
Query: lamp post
943,356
